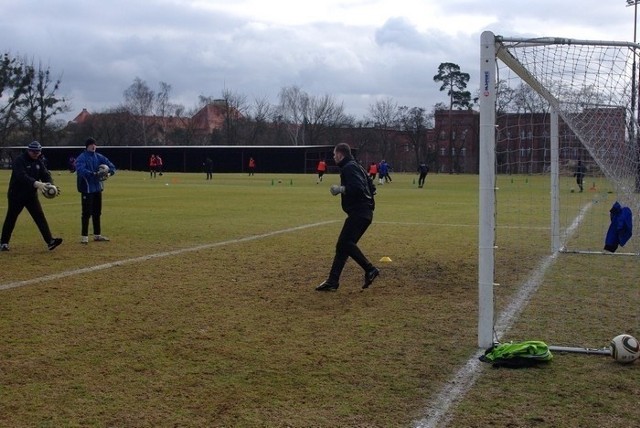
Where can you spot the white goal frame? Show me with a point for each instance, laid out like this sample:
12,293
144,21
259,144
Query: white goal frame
490,53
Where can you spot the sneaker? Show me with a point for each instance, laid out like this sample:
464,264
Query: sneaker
4,247
101,238
328,286
370,276
54,243
84,240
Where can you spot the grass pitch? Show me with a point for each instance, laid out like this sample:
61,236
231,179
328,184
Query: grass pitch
201,311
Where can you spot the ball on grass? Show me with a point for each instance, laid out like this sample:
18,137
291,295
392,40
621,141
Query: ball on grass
625,348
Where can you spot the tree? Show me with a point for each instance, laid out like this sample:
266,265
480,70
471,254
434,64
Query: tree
320,116
384,115
455,83
293,103
139,100
261,112
40,103
414,123
235,108
28,100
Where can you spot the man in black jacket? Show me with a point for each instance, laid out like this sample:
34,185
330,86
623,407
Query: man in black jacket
29,175
356,191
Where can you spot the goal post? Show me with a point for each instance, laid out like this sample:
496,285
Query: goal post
558,125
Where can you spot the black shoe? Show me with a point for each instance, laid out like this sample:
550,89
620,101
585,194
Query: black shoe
328,286
370,276
4,247
54,243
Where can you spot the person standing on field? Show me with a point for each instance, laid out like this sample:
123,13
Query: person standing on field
383,172
356,191
373,170
90,185
208,168
423,170
321,169
159,165
153,166
579,175
29,175
252,166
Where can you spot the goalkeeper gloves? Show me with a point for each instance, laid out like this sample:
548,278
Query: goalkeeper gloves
335,189
39,185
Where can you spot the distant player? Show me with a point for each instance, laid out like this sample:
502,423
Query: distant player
322,168
579,174
423,170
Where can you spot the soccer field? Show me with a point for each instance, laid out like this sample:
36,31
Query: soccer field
201,311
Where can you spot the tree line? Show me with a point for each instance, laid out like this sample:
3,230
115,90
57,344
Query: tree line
30,107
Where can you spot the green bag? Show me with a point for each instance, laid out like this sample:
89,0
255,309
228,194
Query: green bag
517,354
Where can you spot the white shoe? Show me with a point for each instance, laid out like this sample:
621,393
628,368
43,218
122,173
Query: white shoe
100,238
84,240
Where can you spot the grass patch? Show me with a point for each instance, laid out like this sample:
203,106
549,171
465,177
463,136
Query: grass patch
233,333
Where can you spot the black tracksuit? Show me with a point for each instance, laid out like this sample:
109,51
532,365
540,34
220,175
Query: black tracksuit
22,194
357,201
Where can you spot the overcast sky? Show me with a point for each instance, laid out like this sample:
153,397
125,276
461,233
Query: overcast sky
357,51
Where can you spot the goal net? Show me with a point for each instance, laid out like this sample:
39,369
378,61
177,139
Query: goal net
559,162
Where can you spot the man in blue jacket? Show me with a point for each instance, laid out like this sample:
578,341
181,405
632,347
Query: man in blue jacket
29,175
90,185
356,191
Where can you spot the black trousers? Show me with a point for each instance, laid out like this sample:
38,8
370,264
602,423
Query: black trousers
91,209
32,204
347,246
423,176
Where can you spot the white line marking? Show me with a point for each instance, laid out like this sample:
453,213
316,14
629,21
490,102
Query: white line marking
438,413
60,275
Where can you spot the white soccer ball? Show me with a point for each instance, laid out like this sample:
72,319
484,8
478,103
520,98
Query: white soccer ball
103,172
625,348
50,191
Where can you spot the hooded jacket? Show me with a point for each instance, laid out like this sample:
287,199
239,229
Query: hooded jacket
621,227
27,171
357,199
86,170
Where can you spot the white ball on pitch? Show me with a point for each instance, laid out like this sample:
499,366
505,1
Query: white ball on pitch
50,191
625,348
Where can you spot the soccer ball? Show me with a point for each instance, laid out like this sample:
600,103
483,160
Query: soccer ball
103,172
625,348
50,191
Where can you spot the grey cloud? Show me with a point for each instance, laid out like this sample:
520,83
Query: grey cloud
399,32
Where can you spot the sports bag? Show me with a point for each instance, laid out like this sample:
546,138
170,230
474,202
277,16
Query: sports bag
517,354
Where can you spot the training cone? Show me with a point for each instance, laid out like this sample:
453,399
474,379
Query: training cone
385,259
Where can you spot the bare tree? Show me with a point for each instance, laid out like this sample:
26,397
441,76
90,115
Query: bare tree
414,122
262,112
292,106
28,100
139,100
384,115
235,109
41,104
321,115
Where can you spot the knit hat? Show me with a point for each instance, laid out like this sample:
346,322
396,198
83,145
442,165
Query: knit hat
89,141
34,146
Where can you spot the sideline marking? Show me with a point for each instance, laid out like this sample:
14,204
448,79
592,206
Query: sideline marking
455,389
60,275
